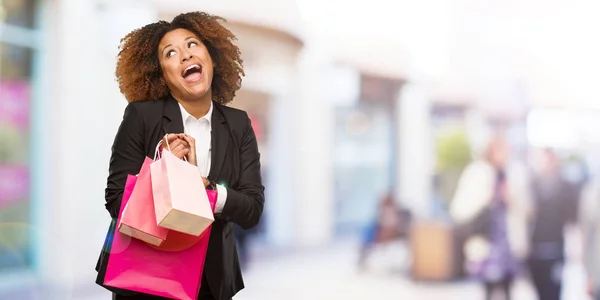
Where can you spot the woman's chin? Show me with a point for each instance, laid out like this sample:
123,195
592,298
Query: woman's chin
198,93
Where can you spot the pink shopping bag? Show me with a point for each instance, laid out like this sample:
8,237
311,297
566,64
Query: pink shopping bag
138,218
180,200
173,270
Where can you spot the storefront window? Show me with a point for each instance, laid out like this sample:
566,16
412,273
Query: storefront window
15,100
362,156
17,12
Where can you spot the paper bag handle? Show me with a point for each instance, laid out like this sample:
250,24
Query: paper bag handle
156,152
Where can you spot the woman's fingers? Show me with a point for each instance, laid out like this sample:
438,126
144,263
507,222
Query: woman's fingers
170,138
190,141
178,142
174,145
191,156
178,150
181,145
183,153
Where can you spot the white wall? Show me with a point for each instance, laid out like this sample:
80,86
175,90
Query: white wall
416,157
313,132
277,14
84,108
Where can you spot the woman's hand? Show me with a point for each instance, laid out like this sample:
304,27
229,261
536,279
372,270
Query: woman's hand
176,144
191,155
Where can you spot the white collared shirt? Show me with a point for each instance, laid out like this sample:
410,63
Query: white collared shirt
200,130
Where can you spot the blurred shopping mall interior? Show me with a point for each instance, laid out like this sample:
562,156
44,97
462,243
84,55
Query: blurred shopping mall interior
359,107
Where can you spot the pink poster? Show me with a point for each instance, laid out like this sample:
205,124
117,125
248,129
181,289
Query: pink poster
14,184
14,103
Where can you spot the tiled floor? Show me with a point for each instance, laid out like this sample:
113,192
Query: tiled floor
331,274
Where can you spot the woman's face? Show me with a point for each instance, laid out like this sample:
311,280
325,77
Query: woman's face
186,64
498,153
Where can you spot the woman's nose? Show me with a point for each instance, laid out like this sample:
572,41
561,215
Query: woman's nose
186,56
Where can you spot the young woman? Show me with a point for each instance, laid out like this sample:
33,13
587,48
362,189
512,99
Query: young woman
177,77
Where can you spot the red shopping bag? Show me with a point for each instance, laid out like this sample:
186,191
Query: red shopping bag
173,270
138,219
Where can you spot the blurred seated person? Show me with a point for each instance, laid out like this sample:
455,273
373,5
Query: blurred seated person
391,224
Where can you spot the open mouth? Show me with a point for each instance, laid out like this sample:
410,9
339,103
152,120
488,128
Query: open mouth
192,73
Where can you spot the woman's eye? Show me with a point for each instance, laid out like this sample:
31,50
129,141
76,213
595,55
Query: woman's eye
192,44
170,53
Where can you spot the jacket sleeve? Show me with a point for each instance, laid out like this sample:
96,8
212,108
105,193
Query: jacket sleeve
245,203
127,157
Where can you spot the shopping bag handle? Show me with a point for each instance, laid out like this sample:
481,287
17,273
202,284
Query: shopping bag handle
156,152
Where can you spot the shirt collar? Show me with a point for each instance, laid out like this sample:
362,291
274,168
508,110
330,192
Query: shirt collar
185,115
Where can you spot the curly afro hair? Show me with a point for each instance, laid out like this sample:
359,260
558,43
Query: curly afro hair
138,69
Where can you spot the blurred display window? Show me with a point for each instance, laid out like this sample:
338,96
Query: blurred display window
16,65
18,12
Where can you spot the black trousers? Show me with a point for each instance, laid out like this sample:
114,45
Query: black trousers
150,297
546,277
205,294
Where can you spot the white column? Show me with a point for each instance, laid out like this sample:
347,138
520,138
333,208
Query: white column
280,198
278,81
84,107
415,164
47,209
313,135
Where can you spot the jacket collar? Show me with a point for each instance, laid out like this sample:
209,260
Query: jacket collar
220,135
172,120
173,123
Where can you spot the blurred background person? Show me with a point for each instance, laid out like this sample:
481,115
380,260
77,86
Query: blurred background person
555,206
386,227
491,218
589,216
